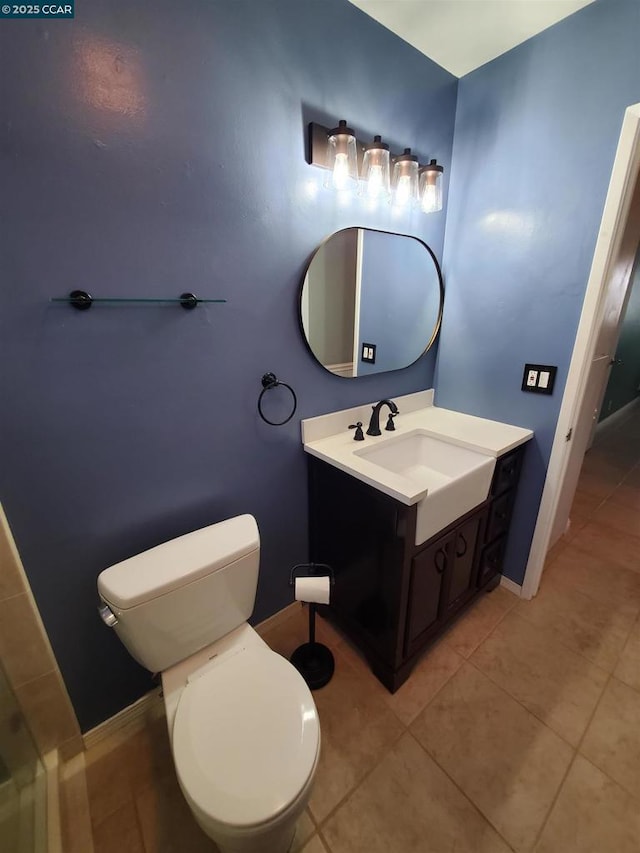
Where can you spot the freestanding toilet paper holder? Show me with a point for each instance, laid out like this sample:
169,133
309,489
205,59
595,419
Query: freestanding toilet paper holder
314,661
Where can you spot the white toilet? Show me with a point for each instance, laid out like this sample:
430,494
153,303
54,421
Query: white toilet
242,722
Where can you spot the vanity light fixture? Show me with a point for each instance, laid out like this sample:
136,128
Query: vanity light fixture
431,187
375,171
353,165
342,159
405,180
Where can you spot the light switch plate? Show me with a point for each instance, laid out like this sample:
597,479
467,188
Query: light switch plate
368,353
539,378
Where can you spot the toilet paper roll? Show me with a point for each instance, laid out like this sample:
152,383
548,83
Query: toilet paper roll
313,589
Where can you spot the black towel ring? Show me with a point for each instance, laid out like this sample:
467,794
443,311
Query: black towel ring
269,381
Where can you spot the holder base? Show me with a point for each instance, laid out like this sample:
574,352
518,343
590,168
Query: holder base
315,664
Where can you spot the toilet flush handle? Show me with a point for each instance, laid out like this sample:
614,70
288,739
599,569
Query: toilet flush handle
107,615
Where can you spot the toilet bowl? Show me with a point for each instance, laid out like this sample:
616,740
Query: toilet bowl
242,722
245,740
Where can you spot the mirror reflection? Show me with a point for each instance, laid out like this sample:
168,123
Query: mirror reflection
371,301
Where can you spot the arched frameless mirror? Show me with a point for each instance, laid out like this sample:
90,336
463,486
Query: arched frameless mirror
371,301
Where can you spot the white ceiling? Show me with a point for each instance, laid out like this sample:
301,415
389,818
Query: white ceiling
461,35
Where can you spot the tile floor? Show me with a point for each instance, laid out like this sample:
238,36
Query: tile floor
519,731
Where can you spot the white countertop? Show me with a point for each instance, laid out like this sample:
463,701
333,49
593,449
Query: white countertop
490,438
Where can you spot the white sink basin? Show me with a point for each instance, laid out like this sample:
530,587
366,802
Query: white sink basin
455,479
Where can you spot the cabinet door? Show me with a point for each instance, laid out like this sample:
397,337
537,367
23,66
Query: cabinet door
428,570
460,576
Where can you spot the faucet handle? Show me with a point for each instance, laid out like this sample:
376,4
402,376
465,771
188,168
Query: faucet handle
359,435
390,424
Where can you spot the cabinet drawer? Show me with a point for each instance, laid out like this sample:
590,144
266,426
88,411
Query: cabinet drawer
491,560
507,472
500,516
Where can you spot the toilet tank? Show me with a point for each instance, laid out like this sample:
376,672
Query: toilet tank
174,599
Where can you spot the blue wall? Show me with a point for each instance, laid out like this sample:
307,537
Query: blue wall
535,138
146,150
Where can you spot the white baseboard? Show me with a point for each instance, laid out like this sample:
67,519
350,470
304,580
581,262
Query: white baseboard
128,721
343,369
615,419
511,586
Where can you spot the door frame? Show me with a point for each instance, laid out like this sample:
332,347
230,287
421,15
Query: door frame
625,174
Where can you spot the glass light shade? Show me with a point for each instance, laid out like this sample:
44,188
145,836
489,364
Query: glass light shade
431,187
342,158
376,183
405,180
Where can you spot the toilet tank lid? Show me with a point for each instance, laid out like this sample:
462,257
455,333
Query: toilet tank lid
183,560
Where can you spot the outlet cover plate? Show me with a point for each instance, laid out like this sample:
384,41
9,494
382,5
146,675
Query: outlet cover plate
539,378
368,353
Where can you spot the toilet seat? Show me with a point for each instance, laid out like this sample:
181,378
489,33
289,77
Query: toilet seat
245,738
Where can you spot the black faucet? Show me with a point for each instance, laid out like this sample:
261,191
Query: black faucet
374,423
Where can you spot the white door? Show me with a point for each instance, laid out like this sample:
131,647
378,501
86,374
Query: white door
580,438
611,313
556,495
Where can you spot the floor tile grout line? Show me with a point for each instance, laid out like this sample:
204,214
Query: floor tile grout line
574,749
634,796
572,762
611,529
577,748
560,642
575,651
486,636
523,706
323,839
321,823
431,698
468,799
613,565
575,588
554,800
443,640
439,689
371,672
624,648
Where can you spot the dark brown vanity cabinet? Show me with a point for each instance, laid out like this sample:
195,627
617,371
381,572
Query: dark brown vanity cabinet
392,597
